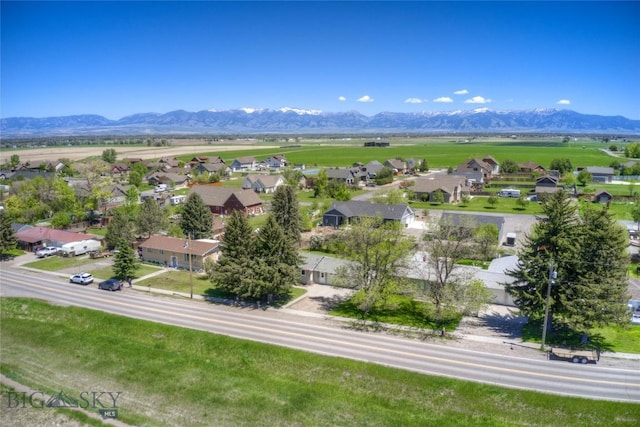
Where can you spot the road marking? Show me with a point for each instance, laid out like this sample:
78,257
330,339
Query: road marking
344,343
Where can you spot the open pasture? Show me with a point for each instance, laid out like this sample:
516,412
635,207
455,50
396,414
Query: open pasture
439,154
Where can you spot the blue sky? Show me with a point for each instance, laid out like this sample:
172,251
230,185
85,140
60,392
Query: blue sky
121,58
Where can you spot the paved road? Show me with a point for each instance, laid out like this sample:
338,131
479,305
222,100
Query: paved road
275,327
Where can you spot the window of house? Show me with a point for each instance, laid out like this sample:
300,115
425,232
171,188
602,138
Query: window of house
161,251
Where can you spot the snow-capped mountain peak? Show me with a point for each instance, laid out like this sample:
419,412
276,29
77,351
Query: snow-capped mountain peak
300,111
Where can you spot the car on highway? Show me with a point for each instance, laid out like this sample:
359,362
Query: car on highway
47,251
110,285
81,278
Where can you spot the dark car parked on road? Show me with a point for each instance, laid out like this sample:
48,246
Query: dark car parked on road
110,285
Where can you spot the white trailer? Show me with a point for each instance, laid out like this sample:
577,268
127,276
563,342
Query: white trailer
79,248
509,192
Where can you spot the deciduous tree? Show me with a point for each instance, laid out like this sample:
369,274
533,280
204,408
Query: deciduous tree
378,252
151,218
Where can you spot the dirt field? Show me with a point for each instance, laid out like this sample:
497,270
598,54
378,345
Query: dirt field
79,153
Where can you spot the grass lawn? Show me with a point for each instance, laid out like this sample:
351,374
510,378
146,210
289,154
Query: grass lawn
398,310
176,376
179,281
610,338
55,263
480,204
107,272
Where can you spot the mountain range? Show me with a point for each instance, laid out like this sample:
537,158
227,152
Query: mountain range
292,120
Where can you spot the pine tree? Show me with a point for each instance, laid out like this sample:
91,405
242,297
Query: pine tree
236,264
285,210
7,241
554,239
151,217
600,293
125,263
196,220
587,252
280,257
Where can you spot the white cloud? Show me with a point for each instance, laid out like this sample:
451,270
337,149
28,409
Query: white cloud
365,98
413,101
342,98
461,92
477,100
563,102
443,99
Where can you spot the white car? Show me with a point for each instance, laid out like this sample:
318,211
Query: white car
635,319
81,278
47,251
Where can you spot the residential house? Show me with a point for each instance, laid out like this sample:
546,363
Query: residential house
452,187
603,197
529,167
242,164
175,252
30,238
263,183
495,165
223,200
341,213
276,162
341,175
546,185
210,168
398,166
168,162
321,269
171,179
477,166
119,169
600,174
24,174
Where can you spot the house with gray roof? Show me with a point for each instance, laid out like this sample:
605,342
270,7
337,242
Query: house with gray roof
244,164
398,166
341,213
452,187
263,183
341,175
321,269
600,174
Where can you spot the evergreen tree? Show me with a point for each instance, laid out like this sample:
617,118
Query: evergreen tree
151,218
589,256
121,227
286,213
7,241
196,220
552,240
600,293
235,266
125,263
280,256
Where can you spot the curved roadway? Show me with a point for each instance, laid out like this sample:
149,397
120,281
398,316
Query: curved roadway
591,381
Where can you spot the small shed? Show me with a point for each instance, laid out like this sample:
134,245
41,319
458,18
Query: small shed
603,197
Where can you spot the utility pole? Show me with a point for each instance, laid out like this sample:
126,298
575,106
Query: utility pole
190,270
552,276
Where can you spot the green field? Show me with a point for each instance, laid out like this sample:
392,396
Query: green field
173,376
439,154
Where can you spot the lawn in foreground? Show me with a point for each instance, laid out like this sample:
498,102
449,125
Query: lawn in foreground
175,376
